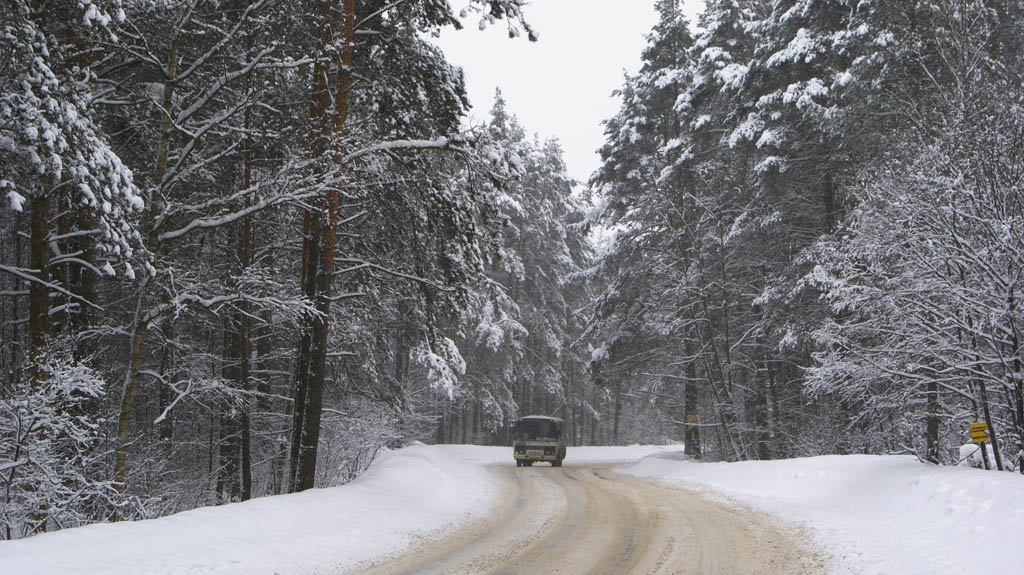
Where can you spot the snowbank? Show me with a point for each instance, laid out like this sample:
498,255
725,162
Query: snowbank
603,455
403,494
877,514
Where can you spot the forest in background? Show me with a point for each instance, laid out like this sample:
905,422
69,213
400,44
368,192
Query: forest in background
820,207
249,243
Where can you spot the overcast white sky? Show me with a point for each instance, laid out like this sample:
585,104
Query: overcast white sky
561,85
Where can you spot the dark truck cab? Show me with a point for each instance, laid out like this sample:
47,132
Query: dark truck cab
538,438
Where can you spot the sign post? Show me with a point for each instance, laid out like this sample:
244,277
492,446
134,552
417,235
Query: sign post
979,436
979,433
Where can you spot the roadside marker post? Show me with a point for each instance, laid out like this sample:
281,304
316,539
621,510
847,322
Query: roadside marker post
979,436
979,433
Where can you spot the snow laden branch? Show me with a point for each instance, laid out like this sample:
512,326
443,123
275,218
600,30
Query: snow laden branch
357,265
26,274
5,467
213,303
298,191
225,40
441,143
179,394
488,158
206,223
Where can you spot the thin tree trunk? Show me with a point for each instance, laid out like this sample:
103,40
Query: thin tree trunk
593,415
774,413
227,471
581,416
618,413
85,284
932,424
62,274
39,305
1016,377
569,391
452,428
15,345
244,349
167,369
475,413
828,190
440,436
983,395
691,444
993,438
725,402
245,249
141,324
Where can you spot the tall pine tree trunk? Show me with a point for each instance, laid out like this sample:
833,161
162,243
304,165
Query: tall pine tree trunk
245,357
325,219
319,103
245,249
308,276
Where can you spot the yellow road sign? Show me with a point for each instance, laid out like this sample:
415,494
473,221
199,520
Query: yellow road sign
979,433
692,419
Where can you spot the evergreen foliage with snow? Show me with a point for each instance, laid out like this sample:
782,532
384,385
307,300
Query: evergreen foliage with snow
248,244
815,232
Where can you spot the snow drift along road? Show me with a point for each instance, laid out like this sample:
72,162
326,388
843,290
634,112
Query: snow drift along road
878,515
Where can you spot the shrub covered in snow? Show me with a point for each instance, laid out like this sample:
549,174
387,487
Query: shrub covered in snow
51,464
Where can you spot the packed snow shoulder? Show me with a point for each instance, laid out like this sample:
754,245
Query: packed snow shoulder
875,514
404,494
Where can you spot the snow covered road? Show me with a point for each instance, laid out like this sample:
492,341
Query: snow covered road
589,519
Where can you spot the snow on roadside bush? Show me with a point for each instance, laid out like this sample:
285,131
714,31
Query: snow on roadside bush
51,469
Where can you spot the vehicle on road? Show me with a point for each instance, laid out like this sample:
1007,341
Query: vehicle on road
538,438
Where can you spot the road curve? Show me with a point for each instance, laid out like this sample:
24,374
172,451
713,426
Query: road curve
588,519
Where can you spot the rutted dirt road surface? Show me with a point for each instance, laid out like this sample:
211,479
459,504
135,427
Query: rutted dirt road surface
589,519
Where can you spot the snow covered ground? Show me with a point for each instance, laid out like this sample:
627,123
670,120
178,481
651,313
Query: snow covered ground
404,495
877,515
